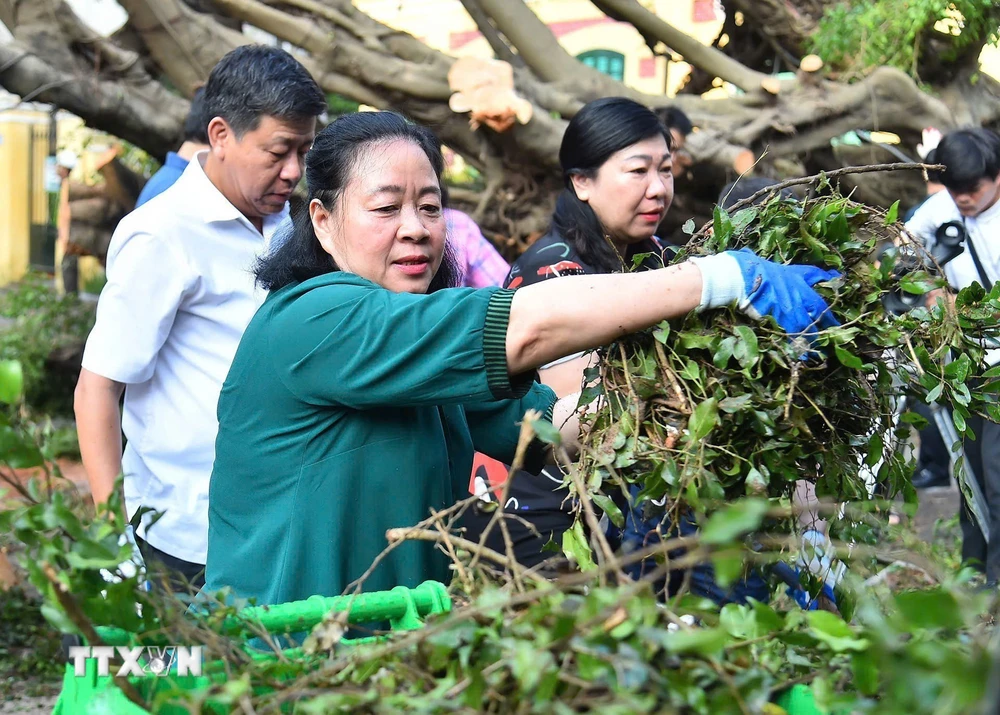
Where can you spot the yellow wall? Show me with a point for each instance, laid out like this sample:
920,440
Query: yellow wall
16,215
439,22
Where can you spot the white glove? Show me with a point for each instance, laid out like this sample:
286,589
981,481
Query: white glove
129,568
818,557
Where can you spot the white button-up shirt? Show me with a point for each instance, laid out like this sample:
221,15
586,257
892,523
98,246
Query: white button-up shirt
180,292
983,230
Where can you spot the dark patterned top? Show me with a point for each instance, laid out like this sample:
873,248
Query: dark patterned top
540,500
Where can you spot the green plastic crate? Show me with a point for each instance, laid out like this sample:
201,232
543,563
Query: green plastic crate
92,694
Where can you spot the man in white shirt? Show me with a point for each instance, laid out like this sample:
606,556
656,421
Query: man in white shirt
179,295
972,200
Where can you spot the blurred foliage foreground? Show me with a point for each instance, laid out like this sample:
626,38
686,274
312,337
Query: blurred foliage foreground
711,417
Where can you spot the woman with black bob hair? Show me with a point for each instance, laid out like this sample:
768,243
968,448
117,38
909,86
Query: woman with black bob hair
363,386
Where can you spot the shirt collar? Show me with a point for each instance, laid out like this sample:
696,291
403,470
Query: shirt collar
215,206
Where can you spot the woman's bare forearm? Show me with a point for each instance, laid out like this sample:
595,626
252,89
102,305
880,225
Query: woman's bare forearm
552,319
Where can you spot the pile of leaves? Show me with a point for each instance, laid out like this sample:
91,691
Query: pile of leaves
713,407
713,414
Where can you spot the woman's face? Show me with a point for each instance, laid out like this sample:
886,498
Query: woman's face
387,226
632,190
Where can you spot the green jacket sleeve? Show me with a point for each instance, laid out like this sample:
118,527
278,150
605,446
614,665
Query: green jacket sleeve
495,426
340,340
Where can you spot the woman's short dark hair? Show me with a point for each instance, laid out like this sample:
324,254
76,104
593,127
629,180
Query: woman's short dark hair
600,129
968,155
330,164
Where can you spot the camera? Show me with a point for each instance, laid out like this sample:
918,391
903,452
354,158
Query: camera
949,243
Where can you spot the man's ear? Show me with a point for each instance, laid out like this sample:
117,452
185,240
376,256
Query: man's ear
219,134
581,185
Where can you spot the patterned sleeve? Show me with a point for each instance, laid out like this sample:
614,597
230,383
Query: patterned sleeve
545,259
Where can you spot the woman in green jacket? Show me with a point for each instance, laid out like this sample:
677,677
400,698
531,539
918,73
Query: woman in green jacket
364,384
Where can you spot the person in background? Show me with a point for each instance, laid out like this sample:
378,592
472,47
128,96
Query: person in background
195,140
972,199
479,263
679,125
179,295
67,264
933,462
745,187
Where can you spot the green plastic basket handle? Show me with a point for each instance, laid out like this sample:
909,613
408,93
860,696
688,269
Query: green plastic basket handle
404,609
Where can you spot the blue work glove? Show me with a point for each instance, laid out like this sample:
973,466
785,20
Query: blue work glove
807,602
760,287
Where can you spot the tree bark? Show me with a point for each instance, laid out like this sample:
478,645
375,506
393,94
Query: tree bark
708,58
110,83
500,48
146,115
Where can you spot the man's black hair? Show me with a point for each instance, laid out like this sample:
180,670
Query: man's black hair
969,155
674,118
256,81
744,188
196,124
933,175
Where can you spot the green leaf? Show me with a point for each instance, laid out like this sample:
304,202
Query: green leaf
847,359
959,420
688,227
575,547
934,608
732,405
832,630
691,371
893,214
703,420
918,421
662,332
728,567
959,369
865,668
529,664
726,525
875,448
701,641
721,225
11,381
743,218
723,352
768,620
747,350
546,432
608,506
935,394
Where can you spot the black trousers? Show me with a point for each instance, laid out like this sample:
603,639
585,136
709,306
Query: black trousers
182,576
983,456
934,453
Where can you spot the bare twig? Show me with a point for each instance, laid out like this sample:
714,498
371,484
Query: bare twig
394,535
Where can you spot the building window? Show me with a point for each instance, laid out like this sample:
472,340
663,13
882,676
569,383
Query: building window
606,61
